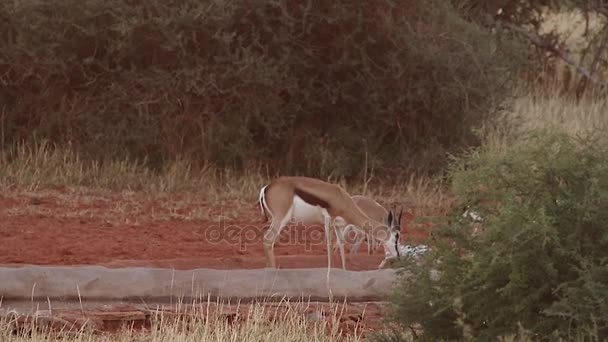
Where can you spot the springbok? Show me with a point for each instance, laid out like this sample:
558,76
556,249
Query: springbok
308,200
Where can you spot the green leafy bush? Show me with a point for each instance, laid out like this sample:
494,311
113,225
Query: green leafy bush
539,259
305,87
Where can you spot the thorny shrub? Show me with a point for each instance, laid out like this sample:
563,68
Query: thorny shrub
539,262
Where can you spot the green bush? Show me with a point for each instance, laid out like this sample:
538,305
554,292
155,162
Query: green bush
305,87
540,261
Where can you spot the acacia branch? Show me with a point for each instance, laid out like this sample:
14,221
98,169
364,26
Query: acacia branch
538,41
596,59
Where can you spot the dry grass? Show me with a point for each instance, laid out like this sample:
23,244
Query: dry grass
34,167
582,119
585,119
283,321
30,172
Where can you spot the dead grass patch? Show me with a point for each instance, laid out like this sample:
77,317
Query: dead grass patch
202,321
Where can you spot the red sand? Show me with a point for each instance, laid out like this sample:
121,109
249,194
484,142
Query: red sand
63,228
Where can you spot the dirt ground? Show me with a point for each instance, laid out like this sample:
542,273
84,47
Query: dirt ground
77,227
74,227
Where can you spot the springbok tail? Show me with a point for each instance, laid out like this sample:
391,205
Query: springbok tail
263,204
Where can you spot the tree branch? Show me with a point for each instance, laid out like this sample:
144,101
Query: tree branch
538,41
596,60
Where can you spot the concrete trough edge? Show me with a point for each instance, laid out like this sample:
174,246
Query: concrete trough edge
98,283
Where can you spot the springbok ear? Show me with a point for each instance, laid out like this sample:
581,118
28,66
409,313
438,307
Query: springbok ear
399,218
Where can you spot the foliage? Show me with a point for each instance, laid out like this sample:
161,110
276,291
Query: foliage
539,260
306,87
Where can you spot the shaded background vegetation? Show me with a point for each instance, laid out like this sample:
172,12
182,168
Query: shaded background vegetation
309,88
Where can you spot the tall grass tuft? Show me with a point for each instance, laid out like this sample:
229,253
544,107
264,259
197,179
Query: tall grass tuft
203,322
42,164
